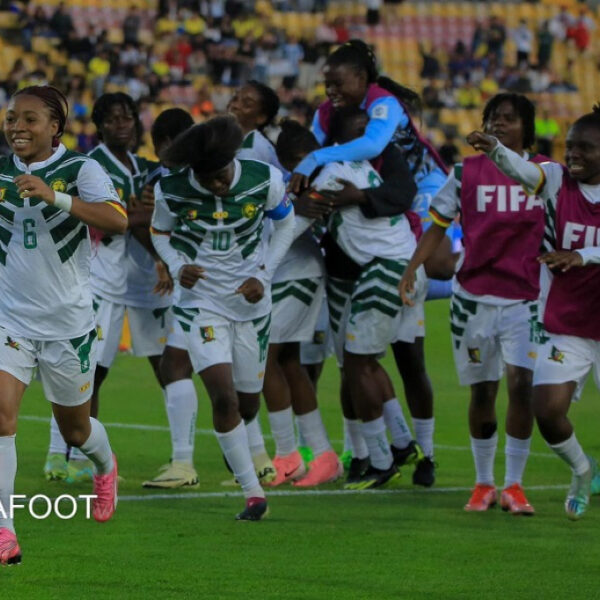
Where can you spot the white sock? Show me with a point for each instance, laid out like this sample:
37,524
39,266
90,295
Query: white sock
57,443
572,453
424,434
484,452
301,440
516,453
76,454
347,439
8,472
313,431
282,429
396,423
182,409
97,448
377,442
357,440
256,441
234,445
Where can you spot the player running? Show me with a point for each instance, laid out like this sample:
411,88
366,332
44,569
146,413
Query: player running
49,197
494,310
207,226
571,348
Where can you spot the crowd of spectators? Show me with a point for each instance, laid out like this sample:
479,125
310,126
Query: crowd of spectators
193,52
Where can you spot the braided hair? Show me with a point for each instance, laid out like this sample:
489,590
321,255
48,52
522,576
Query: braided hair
103,105
56,102
269,101
207,147
524,108
294,140
360,56
591,119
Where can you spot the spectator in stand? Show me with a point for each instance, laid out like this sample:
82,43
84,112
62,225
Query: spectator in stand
431,65
579,32
468,96
496,38
131,26
523,39
449,151
546,131
545,43
99,70
294,53
488,86
560,23
341,30
373,8
430,96
447,95
61,23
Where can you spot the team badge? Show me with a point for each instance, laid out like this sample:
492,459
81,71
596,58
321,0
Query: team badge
192,214
84,387
100,333
249,210
2,194
121,193
59,185
474,355
208,334
557,355
11,343
220,214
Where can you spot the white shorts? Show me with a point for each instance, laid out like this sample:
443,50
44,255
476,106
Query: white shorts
149,328
66,367
367,315
109,325
321,345
176,337
486,337
213,339
296,307
564,358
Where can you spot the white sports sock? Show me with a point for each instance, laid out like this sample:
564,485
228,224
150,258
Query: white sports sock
313,431
484,452
282,429
572,453
181,403
516,453
301,440
76,454
234,445
396,423
424,434
347,438
57,443
97,448
359,446
8,472
377,442
256,442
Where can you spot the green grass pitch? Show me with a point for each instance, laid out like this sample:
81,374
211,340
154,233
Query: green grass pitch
403,543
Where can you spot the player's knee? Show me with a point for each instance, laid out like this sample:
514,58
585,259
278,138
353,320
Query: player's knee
76,436
8,424
488,430
225,403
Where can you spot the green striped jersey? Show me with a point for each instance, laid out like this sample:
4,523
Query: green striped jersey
360,238
109,265
45,252
221,234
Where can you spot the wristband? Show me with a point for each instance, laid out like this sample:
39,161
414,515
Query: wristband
63,201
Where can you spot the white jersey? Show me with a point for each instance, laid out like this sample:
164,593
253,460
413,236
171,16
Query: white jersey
109,263
221,234
45,252
303,259
360,238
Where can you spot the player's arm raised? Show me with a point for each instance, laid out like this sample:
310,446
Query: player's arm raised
529,174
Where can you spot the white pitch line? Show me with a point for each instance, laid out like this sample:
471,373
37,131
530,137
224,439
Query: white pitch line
210,432
290,493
